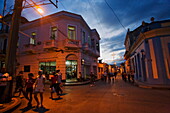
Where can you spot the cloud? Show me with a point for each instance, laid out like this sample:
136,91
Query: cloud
98,15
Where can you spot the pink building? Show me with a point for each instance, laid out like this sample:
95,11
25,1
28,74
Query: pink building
59,41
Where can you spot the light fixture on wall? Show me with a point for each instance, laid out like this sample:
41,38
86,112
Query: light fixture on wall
143,54
82,61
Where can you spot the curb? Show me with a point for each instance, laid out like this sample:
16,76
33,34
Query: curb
76,83
17,101
152,86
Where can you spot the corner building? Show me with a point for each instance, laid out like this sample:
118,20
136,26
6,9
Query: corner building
148,52
59,41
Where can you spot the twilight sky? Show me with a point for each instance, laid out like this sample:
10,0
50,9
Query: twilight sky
111,18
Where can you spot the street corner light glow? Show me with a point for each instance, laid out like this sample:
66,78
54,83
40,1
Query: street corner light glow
39,9
1,16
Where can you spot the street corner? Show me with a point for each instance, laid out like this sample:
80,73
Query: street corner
11,105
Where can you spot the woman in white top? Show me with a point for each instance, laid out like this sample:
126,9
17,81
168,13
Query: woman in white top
39,88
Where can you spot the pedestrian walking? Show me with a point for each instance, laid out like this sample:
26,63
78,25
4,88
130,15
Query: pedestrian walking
53,84
115,74
59,82
105,76
80,78
132,75
20,83
29,87
129,77
39,88
92,79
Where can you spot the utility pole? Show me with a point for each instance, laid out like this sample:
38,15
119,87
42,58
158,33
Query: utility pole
10,62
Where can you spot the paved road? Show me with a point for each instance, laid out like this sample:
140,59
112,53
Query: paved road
119,97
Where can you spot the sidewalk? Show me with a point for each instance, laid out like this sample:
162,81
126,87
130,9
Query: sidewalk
9,106
151,86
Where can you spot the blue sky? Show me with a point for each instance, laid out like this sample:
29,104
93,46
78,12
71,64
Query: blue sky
99,15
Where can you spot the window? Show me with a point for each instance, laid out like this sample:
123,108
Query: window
93,43
97,46
33,38
47,67
27,68
53,33
83,37
89,40
72,32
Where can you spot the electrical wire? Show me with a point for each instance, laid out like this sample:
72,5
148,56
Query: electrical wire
115,15
62,5
50,21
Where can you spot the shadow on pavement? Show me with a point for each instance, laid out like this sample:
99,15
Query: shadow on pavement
41,110
63,94
57,98
26,109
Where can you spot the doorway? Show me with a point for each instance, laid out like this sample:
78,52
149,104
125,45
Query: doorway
71,70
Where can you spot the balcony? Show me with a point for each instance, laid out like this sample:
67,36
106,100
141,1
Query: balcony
29,49
74,44
87,48
50,45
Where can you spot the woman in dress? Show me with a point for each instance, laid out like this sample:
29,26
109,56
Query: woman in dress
39,88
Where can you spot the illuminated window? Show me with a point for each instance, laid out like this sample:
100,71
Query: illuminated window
33,38
97,46
53,33
47,67
72,32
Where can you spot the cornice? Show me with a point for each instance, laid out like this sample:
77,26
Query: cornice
160,32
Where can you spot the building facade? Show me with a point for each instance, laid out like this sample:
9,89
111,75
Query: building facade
148,52
5,23
59,41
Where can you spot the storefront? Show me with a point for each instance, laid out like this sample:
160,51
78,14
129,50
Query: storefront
71,70
47,67
71,67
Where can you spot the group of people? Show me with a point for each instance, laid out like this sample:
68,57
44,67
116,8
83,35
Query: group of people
36,85
109,76
128,76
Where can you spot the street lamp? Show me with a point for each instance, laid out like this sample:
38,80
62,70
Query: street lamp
39,9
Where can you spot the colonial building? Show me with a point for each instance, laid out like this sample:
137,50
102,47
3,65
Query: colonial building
4,32
148,52
59,41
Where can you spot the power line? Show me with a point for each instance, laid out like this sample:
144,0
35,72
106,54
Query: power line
62,5
115,14
43,16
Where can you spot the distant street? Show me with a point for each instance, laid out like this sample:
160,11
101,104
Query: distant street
119,97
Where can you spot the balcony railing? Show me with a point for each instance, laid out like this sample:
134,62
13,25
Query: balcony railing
50,44
72,43
29,48
91,50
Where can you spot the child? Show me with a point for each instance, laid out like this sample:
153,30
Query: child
29,87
